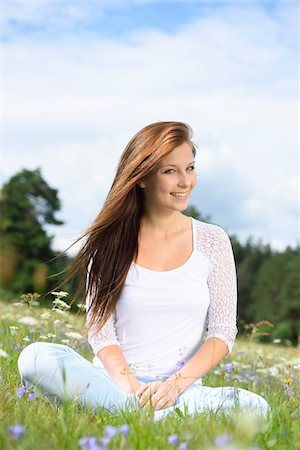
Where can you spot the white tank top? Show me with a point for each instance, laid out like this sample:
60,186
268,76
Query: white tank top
161,317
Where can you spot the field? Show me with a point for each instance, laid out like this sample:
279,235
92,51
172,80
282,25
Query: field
30,422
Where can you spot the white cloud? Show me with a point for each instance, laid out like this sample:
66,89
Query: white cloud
71,103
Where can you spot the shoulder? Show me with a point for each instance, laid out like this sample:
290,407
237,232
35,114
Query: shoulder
210,237
210,230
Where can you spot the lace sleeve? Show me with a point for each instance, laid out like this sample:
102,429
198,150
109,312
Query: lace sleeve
222,286
106,335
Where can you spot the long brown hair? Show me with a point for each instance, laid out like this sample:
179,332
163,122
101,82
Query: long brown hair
111,242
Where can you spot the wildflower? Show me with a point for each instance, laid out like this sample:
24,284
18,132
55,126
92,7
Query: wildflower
59,311
65,341
173,439
231,394
89,443
21,391
60,304
80,305
229,367
274,371
60,294
124,429
105,441
13,327
45,315
57,323
27,320
31,299
1,378
288,380
276,341
110,431
182,446
222,439
73,335
179,364
26,338
16,431
3,354
31,396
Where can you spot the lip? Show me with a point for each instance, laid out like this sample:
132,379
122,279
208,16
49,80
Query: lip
180,198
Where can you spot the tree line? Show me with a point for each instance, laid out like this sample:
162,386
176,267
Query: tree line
268,280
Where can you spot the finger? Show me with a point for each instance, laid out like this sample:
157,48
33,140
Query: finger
147,396
142,389
162,403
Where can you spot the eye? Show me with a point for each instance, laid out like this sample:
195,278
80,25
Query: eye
192,168
169,171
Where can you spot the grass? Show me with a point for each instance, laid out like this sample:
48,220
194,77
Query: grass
268,370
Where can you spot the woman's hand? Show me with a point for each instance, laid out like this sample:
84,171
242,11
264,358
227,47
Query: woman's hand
159,394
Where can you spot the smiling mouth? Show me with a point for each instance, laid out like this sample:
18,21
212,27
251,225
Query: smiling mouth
181,195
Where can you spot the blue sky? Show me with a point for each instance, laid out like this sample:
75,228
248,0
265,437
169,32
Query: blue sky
80,78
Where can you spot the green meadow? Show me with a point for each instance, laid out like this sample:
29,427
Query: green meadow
30,421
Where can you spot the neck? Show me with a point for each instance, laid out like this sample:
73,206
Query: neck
164,224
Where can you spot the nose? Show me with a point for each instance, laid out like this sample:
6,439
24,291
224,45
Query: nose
184,180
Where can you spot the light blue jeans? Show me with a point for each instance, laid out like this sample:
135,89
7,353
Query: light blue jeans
57,371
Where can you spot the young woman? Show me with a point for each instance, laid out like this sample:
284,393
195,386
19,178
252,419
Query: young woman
161,293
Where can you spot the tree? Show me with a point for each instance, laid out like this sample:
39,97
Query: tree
192,211
27,204
276,294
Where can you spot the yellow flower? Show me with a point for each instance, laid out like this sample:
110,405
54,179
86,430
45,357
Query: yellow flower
288,380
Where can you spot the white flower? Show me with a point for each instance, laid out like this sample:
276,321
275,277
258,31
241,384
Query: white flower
276,341
61,304
65,341
274,371
60,294
3,354
26,338
13,327
57,323
68,325
50,335
17,304
59,311
81,305
27,320
45,315
73,335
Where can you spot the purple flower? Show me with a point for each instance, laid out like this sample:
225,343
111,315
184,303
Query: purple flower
89,443
110,431
15,349
124,429
222,439
229,367
31,396
182,446
231,394
179,364
1,378
21,391
16,431
173,439
105,441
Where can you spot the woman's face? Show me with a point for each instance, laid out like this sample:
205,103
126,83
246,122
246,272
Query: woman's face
172,183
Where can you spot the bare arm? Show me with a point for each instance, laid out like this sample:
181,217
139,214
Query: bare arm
222,329
114,362
205,359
